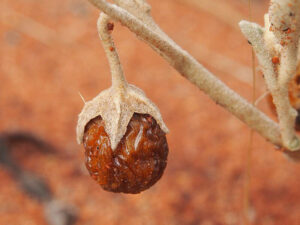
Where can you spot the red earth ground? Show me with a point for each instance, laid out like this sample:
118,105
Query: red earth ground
50,51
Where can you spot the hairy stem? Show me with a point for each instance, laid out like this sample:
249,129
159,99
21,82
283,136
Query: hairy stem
187,66
104,29
277,83
286,113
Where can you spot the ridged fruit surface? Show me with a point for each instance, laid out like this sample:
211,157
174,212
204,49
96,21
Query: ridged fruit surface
136,164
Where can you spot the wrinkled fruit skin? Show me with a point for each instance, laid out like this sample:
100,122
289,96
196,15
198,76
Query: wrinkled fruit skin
136,164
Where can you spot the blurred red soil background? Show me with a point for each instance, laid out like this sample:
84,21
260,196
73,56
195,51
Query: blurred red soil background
50,51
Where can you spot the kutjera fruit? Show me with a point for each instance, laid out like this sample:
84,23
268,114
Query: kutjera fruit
124,138
138,161
122,130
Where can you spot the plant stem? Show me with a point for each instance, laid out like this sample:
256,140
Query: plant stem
188,67
284,17
278,87
286,113
104,30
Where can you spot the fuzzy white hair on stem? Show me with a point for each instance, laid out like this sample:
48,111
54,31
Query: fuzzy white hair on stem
267,44
279,38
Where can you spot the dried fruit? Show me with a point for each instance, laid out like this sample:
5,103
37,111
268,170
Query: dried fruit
122,130
138,161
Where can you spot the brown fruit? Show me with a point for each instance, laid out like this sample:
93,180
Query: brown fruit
136,164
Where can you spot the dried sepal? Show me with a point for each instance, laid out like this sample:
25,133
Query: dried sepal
116,109
117,104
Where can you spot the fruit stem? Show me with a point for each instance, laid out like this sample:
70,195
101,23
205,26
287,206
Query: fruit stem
196,73
105,28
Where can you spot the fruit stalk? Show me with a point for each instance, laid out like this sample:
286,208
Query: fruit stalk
192,70
117,104
122,131
104,30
